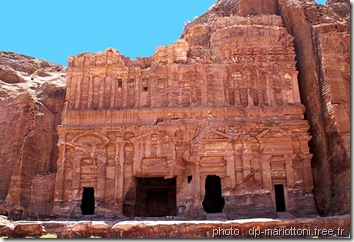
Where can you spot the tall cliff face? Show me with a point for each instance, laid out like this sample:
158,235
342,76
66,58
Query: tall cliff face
322,42
32,95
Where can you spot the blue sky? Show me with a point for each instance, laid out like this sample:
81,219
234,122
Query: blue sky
54,30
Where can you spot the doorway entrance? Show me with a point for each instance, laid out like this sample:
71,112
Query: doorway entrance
88,201
279,198
213,201
156,197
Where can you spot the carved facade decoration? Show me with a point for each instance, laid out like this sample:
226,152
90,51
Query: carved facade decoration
231,110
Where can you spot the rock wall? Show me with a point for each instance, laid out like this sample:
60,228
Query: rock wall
32,95
322,43
31,103
341,7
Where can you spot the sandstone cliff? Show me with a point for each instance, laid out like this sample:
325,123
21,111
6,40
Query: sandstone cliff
341,7
32,95
322,42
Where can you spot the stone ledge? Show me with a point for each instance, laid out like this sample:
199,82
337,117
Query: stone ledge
322,227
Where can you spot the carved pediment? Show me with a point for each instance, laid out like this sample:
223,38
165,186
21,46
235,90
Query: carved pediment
216,135
89,139
272,133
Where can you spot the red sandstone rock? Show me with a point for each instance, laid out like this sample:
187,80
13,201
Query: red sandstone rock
28,229
30,110
246,228
221,103
223,100
322,40
341,7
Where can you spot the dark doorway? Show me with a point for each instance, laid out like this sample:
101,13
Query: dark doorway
279,198
88,201
213,201
156,197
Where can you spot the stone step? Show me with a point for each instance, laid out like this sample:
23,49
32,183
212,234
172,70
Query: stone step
216,216
285,215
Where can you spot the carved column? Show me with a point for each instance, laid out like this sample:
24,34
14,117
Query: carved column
101,177
84,92
307,173
72,92
204,86
153,84
197,180
238,169
101,92
119,174
170,87
78,93
68,87
137,157
125,93
59,178
266,172
138,91
159,148
246,164
230,169
90,92
296,89
76,164
284,89
290,170
113,92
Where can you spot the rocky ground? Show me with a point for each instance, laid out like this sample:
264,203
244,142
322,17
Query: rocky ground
32,94
330,227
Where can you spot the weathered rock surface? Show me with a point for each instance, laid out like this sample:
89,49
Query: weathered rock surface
28,229
235,68
32,95
341,7
328,227
218,112
322,42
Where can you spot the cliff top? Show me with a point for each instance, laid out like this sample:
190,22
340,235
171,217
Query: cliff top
21,73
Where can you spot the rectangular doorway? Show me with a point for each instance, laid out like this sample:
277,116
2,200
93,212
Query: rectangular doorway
88,201
156,197
279,198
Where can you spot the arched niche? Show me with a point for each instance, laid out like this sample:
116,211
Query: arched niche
89,139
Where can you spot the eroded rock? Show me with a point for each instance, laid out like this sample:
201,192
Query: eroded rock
30,108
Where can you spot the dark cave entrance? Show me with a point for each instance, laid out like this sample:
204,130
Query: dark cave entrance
279,198
88,201
213,201
156,197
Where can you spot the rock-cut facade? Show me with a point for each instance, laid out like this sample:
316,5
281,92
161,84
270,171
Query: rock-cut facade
212,124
